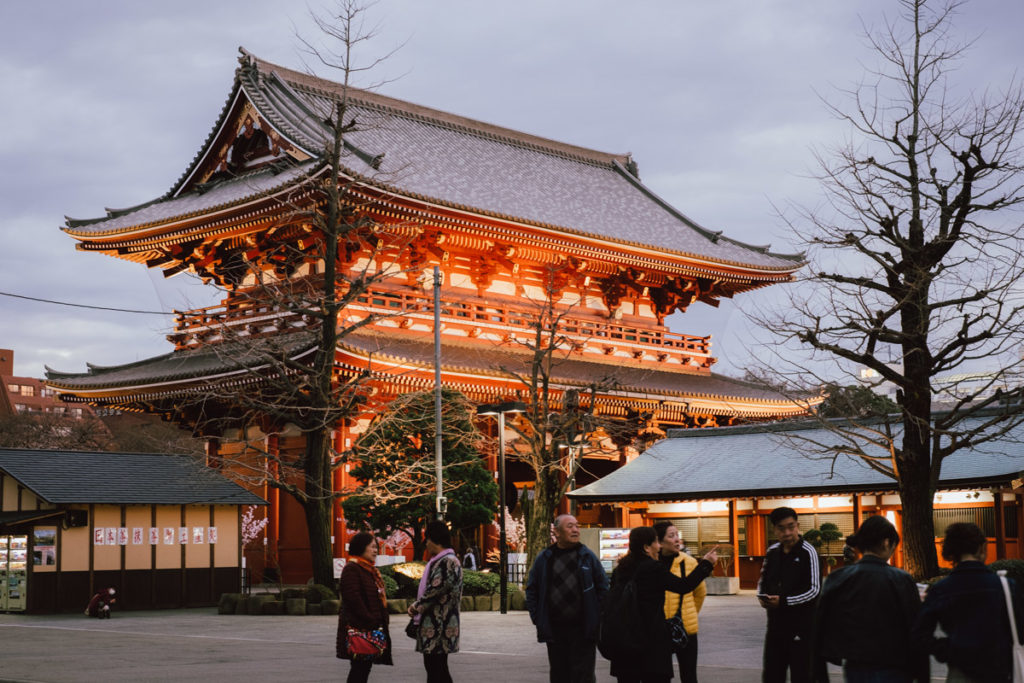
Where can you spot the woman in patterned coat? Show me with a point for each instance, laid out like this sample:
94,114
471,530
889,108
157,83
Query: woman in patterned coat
436,609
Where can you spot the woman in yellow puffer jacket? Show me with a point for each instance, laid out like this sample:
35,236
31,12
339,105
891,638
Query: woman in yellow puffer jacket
681,564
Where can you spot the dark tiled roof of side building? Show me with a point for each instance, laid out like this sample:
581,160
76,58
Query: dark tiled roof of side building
777,459
65,477
461,163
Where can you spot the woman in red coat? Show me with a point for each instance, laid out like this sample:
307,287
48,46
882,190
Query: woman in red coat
364,606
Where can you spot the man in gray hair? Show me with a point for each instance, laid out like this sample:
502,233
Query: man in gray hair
563,594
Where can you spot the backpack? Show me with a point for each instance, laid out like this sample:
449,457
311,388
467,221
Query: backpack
621,632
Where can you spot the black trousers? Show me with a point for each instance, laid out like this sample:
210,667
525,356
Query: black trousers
360,671
571,657
437,667
687,657
786,648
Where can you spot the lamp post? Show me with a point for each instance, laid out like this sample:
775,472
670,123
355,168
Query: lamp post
500,409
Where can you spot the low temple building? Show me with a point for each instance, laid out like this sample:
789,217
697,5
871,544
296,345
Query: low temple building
164,530
719,485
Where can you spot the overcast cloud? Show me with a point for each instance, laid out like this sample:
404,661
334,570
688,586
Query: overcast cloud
106,103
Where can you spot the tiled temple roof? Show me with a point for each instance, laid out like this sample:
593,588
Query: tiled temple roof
777,459
440,158
187,366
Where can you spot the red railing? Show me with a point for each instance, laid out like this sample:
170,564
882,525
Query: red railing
203,323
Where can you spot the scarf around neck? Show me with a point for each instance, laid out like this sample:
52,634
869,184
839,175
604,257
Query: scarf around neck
368,566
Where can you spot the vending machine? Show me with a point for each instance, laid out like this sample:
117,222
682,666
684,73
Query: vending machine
13,573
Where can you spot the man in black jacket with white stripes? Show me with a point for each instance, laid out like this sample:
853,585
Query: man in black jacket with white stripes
788,589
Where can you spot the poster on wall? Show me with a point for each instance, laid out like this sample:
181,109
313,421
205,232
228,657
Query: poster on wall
211,535
154,536
168,535
183,535
111,535
137,536
122,536
197,534
99,537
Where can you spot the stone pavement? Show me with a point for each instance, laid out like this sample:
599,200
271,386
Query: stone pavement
200,645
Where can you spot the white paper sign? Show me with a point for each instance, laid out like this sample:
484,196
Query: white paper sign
183,535
168,535
197,534
137,535
111,535
211,534
339,564
154,536
122,535
99,537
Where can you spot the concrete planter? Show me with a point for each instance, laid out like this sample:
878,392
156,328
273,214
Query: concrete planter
313,609
228,603
467,604
330,606
517,600
255,603
398,605
242,606
295,607
273,607
722,585
483,602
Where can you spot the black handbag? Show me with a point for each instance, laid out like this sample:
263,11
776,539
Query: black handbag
676,630
412,629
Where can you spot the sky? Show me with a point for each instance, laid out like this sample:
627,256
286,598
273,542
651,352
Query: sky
105,103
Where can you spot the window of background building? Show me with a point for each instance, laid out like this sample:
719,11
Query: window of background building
44,546
27,390
14,388
20,407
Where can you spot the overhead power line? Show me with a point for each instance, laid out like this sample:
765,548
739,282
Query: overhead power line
99,308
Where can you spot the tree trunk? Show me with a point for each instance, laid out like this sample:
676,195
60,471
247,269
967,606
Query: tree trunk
318,520
538,526
318,505
919,557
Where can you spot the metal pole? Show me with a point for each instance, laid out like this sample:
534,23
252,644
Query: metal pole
437,393
502,545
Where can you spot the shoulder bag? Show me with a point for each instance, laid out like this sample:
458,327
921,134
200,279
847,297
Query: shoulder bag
1018,649
366,645
676,630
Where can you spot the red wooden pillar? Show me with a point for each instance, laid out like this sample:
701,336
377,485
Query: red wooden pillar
858,512
1000,525
734,538
271,557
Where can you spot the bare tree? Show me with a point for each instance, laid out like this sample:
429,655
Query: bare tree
916,260
309,272
553,431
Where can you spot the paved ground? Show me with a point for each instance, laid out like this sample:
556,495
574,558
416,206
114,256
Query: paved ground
200,645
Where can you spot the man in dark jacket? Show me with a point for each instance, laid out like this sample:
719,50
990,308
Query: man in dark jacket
563,594
788,589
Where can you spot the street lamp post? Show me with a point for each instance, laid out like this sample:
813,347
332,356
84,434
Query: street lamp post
500,409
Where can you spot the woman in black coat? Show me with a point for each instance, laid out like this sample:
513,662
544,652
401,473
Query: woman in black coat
363,604
653,578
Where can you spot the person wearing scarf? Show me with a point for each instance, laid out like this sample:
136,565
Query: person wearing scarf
436,609
364,604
